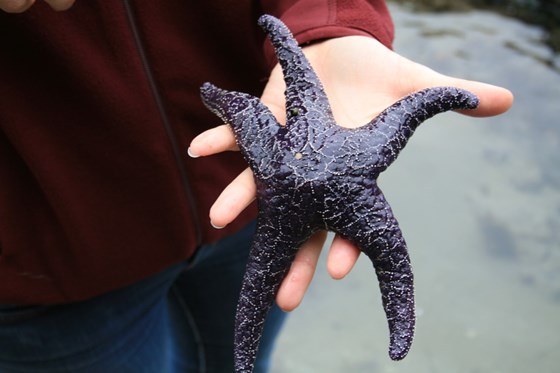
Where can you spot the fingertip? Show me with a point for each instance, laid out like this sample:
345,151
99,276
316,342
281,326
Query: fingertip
494,100
342,257
285,300
213,141
218,218
337,274
192,153
216,226
60,5
197,145
297,280
506,99
334,267
239,194
15,6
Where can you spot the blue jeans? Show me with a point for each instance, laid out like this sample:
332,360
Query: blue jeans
180,320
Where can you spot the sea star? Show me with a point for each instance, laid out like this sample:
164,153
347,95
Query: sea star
312,174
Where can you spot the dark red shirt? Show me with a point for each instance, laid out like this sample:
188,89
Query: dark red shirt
97,107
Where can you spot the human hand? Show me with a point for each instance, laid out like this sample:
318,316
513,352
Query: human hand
362,78
19,6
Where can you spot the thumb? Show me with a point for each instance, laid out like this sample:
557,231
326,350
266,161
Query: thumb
494,100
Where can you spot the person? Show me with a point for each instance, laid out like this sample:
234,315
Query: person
107,262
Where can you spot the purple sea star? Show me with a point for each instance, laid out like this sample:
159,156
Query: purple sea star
312,174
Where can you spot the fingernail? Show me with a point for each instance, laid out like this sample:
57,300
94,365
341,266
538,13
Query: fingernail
192,154
217,226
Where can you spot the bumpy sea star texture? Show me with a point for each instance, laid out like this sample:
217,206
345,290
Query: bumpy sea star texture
313,174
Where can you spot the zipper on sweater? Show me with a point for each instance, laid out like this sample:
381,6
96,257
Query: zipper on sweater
164,118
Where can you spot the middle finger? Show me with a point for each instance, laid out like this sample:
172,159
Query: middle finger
213,141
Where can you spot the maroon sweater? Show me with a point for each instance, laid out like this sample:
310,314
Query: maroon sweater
97,107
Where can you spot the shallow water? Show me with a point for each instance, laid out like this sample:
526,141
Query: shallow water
478,201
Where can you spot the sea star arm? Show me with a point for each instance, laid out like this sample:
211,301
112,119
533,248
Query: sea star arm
274,247
372,227
253,124
399,121
304,91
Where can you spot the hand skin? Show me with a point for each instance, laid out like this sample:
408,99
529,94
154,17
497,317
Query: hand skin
19,6
362,78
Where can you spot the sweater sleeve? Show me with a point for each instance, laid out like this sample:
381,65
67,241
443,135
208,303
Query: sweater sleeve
313,20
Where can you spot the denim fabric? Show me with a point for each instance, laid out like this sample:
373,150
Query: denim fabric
180,320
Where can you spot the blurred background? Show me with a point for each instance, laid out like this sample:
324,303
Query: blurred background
478,201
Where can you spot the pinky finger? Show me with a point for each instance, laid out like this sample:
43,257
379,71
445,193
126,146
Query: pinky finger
342,257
